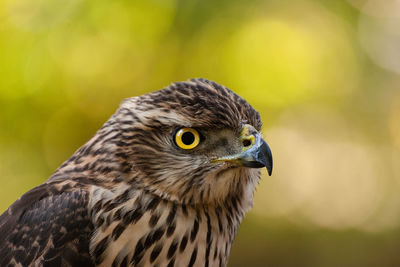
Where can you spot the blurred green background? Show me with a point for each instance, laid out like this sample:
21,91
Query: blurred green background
324,75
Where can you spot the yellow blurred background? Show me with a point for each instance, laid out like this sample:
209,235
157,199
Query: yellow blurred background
324,75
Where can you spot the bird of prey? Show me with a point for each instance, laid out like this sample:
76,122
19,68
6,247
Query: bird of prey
166,181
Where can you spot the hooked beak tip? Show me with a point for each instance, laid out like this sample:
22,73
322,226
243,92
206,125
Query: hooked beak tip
258,156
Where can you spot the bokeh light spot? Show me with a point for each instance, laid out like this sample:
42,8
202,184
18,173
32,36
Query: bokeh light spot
40,14
321,173
287,61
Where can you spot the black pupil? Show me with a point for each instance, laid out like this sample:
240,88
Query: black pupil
188,138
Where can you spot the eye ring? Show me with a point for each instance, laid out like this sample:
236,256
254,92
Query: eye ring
187,138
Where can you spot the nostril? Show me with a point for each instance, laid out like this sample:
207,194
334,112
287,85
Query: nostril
246,143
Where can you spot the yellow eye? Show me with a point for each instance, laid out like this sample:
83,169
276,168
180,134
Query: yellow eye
187,138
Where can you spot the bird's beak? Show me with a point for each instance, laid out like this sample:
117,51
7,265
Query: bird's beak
255,153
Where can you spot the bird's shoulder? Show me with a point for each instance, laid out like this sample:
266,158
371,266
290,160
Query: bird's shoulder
48,224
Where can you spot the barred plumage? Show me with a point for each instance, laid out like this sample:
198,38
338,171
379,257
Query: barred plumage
132,197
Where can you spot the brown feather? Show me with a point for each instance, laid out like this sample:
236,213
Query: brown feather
130,196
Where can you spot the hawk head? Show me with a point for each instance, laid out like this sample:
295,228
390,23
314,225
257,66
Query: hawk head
193,142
